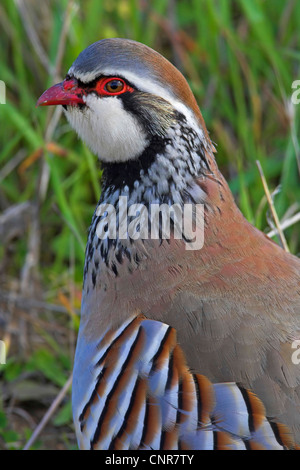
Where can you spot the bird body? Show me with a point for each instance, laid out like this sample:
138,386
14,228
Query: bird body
177,347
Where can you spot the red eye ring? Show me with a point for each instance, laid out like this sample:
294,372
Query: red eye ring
112,86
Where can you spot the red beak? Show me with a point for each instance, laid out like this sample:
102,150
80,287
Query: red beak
66,92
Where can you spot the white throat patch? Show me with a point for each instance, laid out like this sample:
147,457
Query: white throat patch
112,133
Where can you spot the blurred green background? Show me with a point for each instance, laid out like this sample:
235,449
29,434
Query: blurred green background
240,58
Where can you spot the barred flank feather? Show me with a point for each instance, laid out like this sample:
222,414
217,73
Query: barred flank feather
145,397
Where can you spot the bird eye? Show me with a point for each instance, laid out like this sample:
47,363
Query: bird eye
114,86
111,86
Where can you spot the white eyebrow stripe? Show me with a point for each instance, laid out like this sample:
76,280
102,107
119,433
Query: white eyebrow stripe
143,84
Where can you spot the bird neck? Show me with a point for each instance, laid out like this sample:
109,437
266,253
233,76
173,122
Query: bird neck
165,169
165,173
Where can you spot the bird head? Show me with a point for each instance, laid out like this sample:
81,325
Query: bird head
120,95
